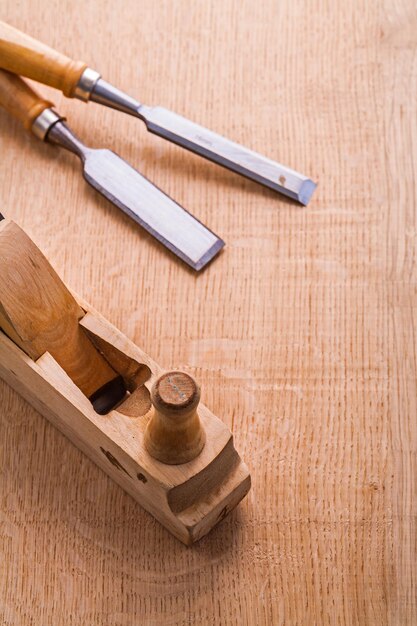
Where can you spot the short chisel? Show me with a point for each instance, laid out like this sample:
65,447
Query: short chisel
24,55
115,179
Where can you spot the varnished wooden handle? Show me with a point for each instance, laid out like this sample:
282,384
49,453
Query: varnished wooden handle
40,315
28,57
20,100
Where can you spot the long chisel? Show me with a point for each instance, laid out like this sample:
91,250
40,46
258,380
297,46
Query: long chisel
24,55
115,179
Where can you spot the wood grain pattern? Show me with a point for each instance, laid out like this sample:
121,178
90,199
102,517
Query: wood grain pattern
302,333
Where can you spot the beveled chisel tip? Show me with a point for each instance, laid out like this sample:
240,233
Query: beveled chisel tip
209,255
306,191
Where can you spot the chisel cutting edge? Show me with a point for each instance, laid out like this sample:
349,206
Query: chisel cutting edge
24,55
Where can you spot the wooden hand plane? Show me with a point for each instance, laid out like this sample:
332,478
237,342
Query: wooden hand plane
145,428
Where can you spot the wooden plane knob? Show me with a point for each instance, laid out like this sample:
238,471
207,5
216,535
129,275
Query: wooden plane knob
174,433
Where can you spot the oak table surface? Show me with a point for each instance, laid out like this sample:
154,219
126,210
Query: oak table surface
301,334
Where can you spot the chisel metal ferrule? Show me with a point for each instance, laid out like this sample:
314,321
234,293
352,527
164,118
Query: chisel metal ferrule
92,87
50,126
44,122
85,85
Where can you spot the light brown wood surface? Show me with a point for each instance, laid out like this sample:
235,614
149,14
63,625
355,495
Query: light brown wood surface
302,333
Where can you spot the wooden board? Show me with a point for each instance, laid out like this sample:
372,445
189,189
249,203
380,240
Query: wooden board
301,334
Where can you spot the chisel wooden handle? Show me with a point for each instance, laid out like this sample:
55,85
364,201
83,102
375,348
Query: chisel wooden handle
20,100
24,55
40,315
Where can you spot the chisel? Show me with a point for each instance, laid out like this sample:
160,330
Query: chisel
24,55
115,179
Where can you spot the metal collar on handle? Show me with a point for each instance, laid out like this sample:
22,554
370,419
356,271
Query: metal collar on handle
44,122
86,84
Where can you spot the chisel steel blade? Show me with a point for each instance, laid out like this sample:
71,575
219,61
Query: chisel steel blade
150,207
231,155
161,216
